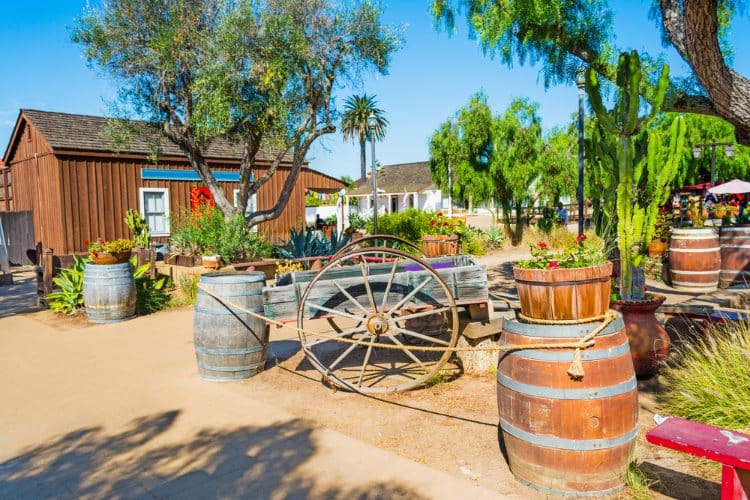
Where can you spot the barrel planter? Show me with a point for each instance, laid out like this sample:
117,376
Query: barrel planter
735,257
563,436
694,259
437,245
230,344
649,340
564,294
109,292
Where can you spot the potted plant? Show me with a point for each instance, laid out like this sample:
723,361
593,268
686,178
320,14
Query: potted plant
643,164
441,236
103,252
566,285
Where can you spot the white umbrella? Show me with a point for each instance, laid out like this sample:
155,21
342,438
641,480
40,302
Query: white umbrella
732,187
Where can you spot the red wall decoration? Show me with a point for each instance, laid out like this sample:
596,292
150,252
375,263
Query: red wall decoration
201,196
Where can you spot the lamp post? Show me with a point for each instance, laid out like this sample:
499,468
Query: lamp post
728,150
580,83
372,124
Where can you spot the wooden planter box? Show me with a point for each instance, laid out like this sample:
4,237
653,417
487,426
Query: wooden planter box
268,266
185,260
439,244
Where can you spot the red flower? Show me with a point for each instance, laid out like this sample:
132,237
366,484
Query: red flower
581,237
432,222
85,242
553,265
542,245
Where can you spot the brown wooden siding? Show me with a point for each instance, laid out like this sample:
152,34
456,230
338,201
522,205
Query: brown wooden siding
36,185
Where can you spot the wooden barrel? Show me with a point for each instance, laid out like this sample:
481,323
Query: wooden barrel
735,257
230,344
563,436
694,259
109,292
564,294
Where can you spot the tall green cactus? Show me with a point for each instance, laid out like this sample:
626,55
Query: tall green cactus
645,168
139,228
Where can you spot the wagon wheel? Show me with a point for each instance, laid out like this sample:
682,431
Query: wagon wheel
380,240
402,302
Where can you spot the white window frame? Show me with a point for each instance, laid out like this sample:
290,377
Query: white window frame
142,203
252,202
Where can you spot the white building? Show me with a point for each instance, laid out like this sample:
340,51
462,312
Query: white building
401,186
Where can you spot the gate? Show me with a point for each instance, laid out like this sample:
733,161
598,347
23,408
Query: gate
19,236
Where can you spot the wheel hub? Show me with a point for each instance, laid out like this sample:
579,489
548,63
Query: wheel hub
377,324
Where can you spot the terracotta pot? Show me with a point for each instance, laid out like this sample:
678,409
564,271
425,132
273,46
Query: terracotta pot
657,249
563,294
211,261
649,340
106,258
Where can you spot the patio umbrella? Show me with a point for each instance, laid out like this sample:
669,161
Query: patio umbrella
732,187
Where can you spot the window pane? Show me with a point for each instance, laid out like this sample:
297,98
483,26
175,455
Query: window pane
155,211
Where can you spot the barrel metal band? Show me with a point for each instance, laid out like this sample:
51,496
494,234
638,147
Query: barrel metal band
698,286
562,393
228,368
562,331
568,444
695,250
567,356
227,311
723,245
550,491
228,352
565,283
109,282
689,238
228,279
225,378
678,271
236,294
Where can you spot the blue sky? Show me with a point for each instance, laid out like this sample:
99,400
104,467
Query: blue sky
429,79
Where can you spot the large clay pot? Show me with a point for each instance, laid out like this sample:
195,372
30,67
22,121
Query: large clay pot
649,341
564,294
108,259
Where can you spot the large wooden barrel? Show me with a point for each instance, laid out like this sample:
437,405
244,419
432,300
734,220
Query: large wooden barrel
735,257
563,436
109,292
564,294
230,344
694,259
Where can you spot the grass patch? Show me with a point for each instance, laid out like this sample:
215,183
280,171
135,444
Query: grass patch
639,484
186,290
708,379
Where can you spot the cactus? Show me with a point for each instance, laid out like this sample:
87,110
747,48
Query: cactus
139,228
645,168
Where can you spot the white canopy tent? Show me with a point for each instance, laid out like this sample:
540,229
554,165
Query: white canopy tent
735,186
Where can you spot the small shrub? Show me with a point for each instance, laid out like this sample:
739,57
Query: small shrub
137,225
708,378
410,224
152,294
494,237
474,242
357,221
639,483
187,290
69,298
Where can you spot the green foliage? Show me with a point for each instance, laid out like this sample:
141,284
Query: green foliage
410,224
547,223
152,295
357,221
112,246
474,242
708,378
309,243
494,238
645,164
558,165
206,232
576,255
139,228
69,298
187,288
260,73
355,123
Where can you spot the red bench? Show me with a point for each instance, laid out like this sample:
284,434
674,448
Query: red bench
729,448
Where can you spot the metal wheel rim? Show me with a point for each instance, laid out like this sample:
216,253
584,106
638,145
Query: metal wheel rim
348,248
369,375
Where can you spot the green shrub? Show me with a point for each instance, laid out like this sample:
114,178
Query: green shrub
187,288
709,378
495,237
357,221
69,298
152,294
240,243
137,225
410,224
474,242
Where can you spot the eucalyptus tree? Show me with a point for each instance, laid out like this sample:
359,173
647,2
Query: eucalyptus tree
259,73
355,123
565,34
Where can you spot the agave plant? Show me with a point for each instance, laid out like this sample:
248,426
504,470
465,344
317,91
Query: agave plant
306,243
69,298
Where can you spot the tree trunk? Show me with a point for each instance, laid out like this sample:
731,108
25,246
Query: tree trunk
362,160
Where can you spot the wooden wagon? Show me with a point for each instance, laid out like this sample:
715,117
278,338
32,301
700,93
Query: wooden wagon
378,319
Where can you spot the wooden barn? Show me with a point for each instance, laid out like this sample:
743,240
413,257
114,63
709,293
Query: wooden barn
63,168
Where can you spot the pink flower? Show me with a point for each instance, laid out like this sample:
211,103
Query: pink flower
553,265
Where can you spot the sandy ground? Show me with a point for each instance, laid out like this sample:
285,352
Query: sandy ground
118,411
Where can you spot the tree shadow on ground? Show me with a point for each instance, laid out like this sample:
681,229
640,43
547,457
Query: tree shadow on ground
503,283
249,462
674,484
18,298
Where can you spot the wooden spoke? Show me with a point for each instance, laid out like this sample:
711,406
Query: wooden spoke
334,312
349,296
426,338
422,313
388,286
410,295
343,355
338,335
408,352
366,280
364,364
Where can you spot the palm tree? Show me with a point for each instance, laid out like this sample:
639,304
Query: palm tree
357,111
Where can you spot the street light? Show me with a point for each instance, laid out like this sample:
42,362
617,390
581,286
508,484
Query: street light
372,125
580,83
728,151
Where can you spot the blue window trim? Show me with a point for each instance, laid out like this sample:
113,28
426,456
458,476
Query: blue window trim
164,174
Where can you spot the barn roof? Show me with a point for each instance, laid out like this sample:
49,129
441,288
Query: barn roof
65,131
399,178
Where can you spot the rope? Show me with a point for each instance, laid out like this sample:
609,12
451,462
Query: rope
579,321
511,303
575,370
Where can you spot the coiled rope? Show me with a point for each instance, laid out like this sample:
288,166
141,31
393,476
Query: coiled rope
575,371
